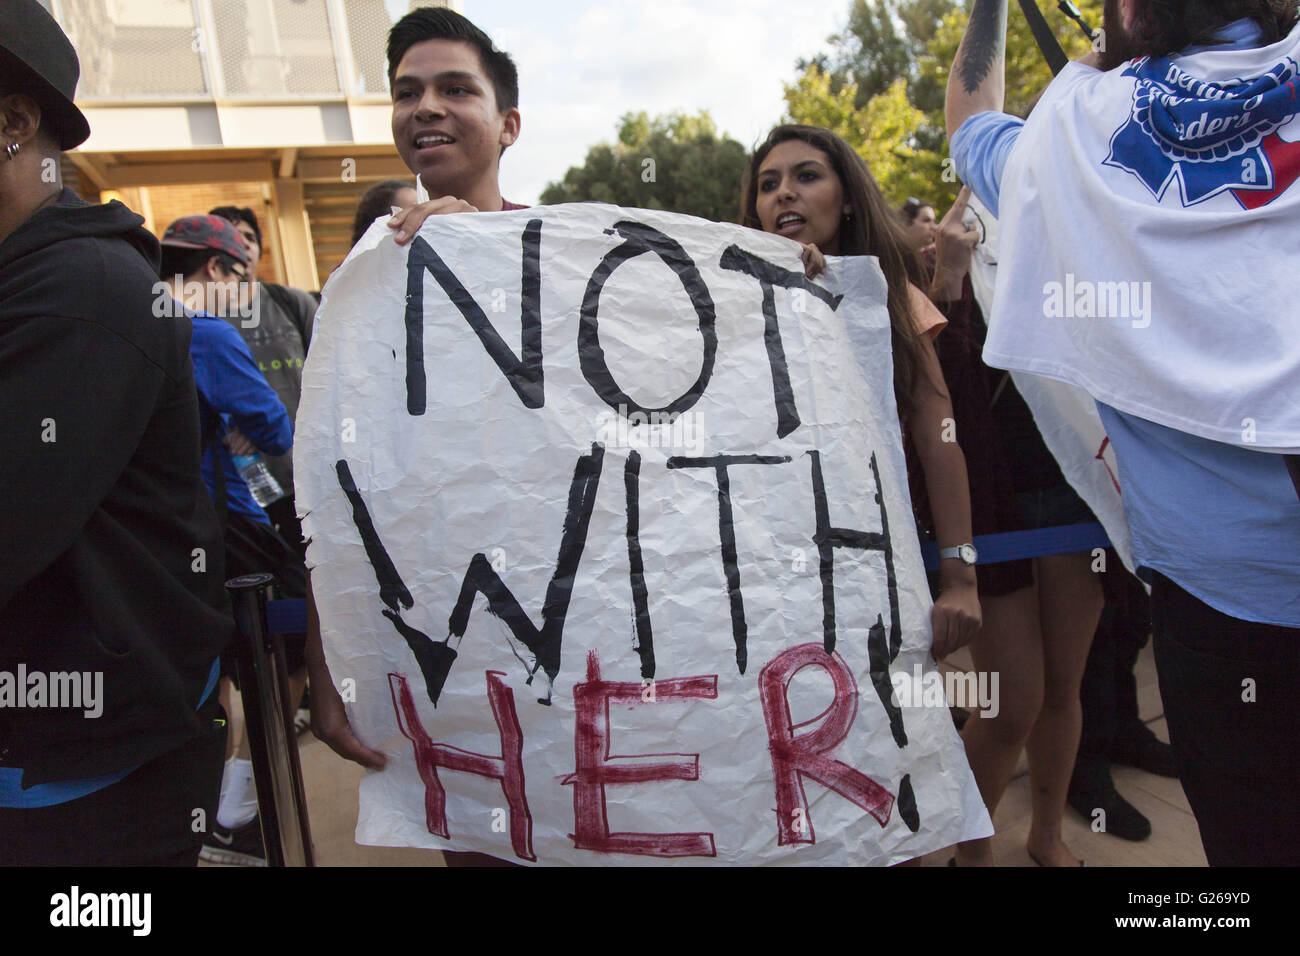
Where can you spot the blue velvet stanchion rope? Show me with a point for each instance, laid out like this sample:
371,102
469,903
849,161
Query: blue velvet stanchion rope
1013,545
286,617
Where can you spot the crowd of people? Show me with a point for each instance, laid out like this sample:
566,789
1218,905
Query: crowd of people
150,460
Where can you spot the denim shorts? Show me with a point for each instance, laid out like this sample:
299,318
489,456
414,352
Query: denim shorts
1052,507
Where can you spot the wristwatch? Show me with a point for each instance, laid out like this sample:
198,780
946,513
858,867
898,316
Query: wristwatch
966,552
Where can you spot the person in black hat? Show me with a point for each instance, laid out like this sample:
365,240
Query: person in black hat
112,606
38,74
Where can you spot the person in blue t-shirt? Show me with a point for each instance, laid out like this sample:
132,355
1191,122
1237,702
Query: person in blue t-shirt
1215,527
205,265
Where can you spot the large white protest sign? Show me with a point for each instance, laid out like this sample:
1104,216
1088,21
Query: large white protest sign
611,537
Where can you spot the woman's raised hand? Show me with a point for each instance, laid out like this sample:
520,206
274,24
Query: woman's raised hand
954,242
814,263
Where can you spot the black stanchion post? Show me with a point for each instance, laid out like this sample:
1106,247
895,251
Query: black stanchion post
268,722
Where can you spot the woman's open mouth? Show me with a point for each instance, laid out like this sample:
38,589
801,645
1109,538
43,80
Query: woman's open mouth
789,222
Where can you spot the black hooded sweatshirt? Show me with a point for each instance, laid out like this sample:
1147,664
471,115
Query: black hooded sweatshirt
111,556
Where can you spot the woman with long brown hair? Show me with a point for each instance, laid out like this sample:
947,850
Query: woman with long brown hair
807,184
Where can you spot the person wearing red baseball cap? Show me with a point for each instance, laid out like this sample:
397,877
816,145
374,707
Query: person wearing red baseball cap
205,270
112,606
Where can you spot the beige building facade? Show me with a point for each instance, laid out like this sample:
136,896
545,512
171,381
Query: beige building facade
279,105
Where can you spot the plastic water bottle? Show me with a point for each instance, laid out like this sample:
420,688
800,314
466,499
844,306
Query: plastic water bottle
261,483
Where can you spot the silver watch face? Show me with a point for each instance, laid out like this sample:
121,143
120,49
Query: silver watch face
968,554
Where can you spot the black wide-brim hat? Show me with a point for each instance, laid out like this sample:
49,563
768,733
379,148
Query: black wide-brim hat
37,55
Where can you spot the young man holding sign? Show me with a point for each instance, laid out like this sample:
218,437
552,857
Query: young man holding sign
442,489
455,110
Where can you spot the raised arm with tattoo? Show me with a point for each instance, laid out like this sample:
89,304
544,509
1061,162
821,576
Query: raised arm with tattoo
976,81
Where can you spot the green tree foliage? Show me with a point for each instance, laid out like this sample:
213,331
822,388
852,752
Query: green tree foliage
1027,71
882,131
674,162
881,85
871,52
882,43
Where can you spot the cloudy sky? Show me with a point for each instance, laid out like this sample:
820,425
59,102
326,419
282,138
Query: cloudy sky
583,63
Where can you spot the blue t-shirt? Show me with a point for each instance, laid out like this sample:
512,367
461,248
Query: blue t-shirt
231,385
1220,521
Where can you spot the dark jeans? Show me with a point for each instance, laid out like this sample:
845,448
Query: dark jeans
146,819
1231,691
1052,507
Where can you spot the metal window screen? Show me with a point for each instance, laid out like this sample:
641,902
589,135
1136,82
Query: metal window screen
270,48
368,25
260,48
135,48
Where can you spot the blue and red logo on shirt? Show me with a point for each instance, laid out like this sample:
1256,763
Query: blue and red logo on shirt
1211,138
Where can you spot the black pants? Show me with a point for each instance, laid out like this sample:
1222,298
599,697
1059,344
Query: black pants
253,547
1231,691
156,816
284,517
1108,692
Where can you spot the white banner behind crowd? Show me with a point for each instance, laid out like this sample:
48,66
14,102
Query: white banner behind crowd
613,550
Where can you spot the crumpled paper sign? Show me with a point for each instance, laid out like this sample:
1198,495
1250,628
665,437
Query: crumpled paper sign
612,547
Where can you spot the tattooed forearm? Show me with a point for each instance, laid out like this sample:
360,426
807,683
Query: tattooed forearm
984,45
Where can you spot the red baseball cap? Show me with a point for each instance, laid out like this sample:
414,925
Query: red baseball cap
206,232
